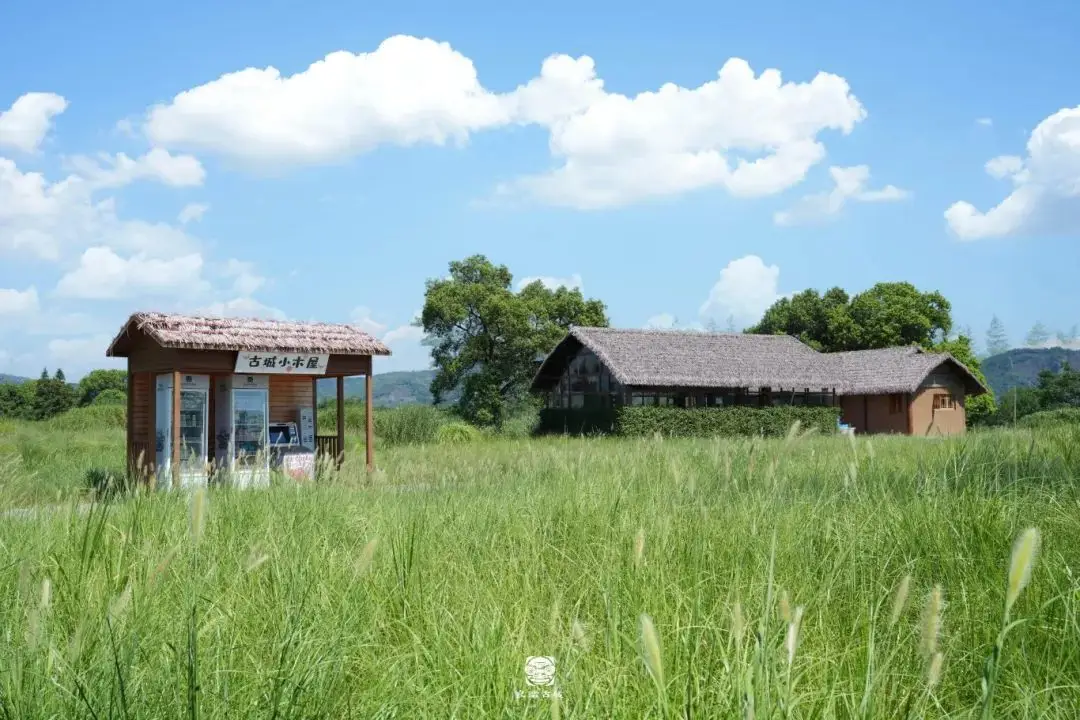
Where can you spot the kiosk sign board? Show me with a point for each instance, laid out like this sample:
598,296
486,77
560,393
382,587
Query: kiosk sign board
278,363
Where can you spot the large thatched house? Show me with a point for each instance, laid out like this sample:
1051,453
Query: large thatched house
901,390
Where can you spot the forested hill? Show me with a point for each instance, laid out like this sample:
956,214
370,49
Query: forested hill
406,387
1021,367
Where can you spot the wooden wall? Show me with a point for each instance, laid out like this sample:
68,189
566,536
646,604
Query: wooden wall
140,396
288,393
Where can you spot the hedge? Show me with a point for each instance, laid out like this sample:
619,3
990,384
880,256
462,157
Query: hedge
576,422
1050,418
690,422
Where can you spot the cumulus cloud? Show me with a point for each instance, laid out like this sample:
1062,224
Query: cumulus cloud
984,121
553,283
18,302
1046,186
47,219
245,279
77,356
849,184
745,289
192,212
102,274
112,171
241,307
26,123
747,133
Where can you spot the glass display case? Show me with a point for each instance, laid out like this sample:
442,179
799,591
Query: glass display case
193,416
243,411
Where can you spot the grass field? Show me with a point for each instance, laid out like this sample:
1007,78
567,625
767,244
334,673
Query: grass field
703,579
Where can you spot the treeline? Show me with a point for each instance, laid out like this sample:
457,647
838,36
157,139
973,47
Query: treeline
1054,391
49,396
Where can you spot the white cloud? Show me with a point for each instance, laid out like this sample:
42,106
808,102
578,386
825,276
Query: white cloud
1046,186
241,307
77,356
553,283
102,274
985,121
112,171
849,184
361,318
25,125
18,302
1004,166
245,278
192,212
407,91
751,134
48,219
661,321
746,288
407,348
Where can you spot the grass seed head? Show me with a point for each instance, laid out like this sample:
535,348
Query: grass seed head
1024,552
738,625
899,600
785,606
650,643
198,514
639,548
791,642
363,563
933,674
931,624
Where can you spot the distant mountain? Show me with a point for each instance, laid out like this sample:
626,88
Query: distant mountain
407,387
1021,367
12,379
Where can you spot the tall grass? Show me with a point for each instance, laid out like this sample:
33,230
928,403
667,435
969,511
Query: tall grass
804,578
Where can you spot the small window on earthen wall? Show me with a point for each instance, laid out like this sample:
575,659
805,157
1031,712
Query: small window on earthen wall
944,401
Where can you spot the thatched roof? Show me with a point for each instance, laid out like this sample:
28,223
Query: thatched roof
686,359
235,334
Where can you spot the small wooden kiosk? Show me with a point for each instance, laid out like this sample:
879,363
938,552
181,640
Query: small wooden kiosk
228,398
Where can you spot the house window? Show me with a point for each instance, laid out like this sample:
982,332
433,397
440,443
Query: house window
896,404
944,401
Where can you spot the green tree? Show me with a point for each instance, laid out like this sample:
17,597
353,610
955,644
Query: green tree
1059,389
52,396
485,337
97,381
110,396
1015,404
981,408
997,341
16,400
886,315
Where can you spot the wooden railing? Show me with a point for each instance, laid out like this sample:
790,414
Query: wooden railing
326,446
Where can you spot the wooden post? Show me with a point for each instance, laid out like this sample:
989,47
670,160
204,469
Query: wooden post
151,426
340,420
211,427
369,422
175,462
315,405
129,439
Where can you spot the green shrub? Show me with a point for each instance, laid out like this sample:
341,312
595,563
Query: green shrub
456,433
110,396
521,424
1050,418
105,483
729,421
408,424
577,421
91,417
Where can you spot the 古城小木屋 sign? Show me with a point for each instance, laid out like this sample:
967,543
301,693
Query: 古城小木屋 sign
281,363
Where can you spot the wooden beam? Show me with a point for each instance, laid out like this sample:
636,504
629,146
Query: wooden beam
211,427
369,422
315,406
151,425
340,419
175,429
129,440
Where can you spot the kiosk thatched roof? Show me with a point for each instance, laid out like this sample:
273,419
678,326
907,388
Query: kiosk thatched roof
245,334
688,359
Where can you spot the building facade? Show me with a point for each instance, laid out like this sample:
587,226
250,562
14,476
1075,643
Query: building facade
893,390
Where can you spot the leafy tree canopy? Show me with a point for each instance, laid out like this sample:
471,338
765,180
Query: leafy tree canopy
98,381
485,337
886,315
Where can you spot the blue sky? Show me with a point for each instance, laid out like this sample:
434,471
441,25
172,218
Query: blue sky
941,145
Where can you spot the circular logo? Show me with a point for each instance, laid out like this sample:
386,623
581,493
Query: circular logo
540,670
